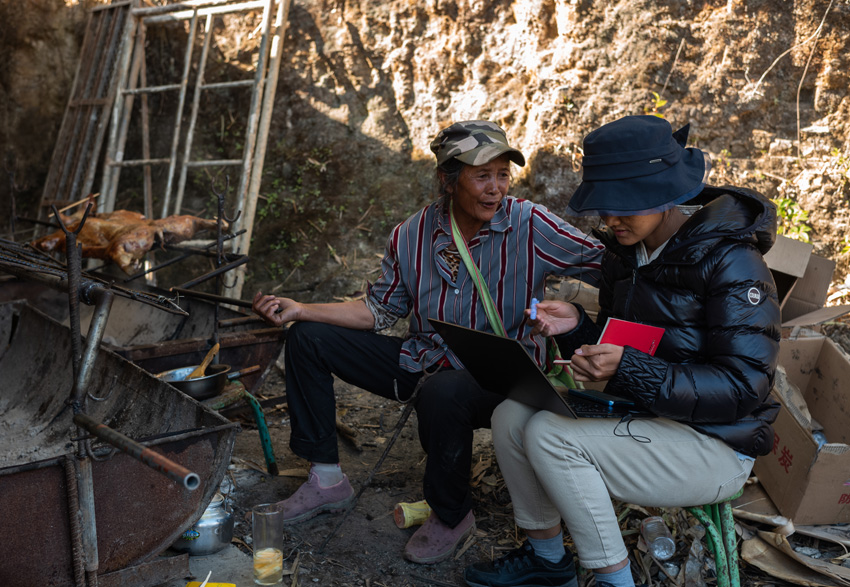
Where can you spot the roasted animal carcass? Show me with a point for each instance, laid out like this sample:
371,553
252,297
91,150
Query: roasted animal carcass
124,236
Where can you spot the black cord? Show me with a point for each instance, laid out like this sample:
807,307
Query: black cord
627,420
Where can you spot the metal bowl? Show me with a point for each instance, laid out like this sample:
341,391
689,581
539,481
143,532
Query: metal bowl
210,385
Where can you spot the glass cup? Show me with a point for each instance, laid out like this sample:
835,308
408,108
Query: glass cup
267,533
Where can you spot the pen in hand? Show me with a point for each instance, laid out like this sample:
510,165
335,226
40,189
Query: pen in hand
534,303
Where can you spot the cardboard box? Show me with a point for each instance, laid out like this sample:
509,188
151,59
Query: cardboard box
802,282
808,485
787,260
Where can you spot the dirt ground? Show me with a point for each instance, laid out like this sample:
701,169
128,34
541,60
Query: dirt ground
366,549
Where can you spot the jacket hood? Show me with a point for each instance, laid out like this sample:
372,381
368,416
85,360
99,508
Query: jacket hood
727,213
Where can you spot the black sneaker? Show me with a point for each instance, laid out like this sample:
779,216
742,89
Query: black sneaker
521,567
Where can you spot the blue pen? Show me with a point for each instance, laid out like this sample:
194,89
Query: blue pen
534,303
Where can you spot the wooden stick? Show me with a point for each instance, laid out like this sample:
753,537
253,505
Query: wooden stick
78,202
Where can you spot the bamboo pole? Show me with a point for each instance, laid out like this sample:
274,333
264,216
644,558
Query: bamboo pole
250,207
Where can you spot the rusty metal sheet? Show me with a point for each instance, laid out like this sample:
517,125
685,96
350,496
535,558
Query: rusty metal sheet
156,572
138,511
158,341
35,528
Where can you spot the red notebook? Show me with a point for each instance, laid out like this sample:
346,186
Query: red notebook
642,337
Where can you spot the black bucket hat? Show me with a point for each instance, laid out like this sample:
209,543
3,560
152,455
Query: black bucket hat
637,165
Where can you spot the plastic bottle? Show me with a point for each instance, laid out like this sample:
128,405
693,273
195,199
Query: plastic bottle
820,438
657,537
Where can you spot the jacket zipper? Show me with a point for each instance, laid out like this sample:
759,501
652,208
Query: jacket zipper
631,291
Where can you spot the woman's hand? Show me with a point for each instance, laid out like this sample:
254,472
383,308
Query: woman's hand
553,317
274,310
596,362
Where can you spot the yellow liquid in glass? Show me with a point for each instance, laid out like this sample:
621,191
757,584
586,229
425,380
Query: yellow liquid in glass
268,566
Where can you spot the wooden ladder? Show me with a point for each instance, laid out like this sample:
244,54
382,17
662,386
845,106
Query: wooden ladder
132,83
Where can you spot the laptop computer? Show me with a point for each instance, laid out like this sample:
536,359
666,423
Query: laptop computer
503,366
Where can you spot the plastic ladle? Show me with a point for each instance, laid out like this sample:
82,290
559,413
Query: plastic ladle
202,368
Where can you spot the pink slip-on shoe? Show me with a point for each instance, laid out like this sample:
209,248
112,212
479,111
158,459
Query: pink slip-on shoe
312,499
435,542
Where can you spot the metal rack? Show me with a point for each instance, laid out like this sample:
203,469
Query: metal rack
113,71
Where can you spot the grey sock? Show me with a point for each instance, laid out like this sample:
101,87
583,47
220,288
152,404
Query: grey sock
621,578
328,473
549,549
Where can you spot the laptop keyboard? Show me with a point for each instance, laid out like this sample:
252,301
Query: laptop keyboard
589,409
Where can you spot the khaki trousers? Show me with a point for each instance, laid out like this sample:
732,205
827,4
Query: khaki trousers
558,468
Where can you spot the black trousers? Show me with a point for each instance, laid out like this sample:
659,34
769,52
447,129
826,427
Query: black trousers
450,407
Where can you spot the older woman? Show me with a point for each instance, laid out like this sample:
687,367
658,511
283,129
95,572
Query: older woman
683,256
515,245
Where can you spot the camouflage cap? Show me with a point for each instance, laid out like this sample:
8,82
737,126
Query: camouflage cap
474,142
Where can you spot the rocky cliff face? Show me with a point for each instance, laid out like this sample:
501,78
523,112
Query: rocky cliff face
364,86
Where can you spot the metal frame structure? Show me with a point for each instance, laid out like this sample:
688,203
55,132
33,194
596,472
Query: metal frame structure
131,84
112,72
75,156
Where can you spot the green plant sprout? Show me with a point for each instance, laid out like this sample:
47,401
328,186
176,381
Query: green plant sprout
723,158
657,104
845,246
791,219
842,165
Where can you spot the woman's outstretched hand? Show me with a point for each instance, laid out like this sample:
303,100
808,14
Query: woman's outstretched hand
596,362
553,317
274,310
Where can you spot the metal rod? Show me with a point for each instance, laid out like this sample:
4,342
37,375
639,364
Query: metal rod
181,102
215,272
405,414
108,182
185,14
103,298
152,89
59,150
157,267
236,84
126,113
137,162
101,88
177,6
193,115
140,452
103,114
205,252
73,252
36,220
230,322
146,132
98,8
212,162
188,253
211,297
74,522
85,489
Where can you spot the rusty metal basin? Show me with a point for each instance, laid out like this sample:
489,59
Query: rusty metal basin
139,512
158,341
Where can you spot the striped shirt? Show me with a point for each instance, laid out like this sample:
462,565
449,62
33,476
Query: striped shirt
515,251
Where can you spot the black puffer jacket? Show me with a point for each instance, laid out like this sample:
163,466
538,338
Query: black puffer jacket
713,293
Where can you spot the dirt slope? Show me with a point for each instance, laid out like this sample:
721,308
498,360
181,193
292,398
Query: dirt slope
364,86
